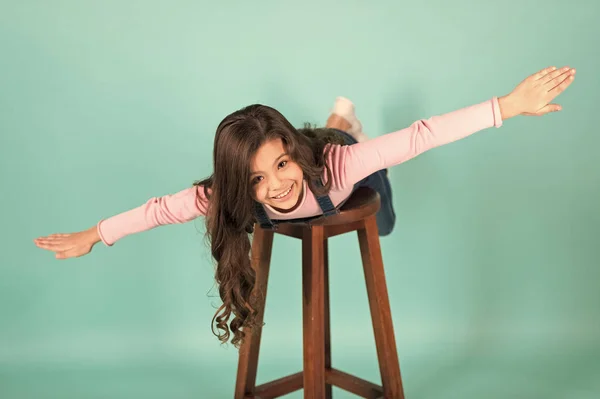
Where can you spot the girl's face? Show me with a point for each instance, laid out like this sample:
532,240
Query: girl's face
276,179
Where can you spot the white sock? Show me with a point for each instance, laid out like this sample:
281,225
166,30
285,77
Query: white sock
345,108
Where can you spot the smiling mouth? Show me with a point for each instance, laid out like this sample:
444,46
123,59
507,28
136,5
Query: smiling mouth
284,194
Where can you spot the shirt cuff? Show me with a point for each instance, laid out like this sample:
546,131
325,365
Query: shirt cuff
102,238
496,112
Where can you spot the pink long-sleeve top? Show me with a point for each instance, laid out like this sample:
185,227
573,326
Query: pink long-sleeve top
349,164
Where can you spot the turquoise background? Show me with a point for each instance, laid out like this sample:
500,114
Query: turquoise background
493,269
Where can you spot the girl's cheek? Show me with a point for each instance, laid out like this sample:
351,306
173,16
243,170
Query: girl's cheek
254,193
259,192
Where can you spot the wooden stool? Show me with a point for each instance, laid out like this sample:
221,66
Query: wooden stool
317,378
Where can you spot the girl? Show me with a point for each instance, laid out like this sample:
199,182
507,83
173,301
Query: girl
266,171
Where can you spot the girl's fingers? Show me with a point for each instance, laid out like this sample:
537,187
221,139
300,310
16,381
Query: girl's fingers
49,246
549,108
49,240
64,246
53,245
540,74
552,83
554,74
43,242
555,91
54,237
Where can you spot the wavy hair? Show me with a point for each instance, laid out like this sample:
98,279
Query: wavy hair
230,217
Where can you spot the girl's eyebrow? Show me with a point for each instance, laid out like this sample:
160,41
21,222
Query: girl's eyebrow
278,158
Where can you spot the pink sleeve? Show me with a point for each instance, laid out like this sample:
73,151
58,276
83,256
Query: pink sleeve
180,207
350,164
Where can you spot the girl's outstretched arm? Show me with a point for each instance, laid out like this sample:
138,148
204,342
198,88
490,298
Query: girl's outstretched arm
532,97
180,207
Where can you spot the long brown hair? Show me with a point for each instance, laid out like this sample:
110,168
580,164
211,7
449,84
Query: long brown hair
230,216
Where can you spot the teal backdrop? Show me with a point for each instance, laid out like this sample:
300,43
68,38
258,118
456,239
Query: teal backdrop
494,267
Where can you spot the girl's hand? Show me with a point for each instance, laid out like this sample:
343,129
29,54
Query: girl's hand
69,245
533,96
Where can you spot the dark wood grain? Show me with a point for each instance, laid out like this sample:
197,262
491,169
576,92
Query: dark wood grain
355,385
262,245
280,387
379,304
313,317
326,318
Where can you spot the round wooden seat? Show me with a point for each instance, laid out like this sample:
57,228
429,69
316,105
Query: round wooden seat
360,206
363,203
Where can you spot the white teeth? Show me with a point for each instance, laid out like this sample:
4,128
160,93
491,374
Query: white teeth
284,194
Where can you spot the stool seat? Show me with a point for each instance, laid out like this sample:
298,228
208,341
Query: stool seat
318,376
364,202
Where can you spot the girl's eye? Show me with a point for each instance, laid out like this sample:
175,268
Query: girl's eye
282,164
257,179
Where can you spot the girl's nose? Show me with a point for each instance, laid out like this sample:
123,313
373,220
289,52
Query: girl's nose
274,183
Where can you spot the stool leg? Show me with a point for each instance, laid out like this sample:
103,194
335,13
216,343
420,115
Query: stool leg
379,303
313,309
327,321
262,245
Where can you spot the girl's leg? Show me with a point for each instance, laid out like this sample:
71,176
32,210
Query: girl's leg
337,122
344,118
386,217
